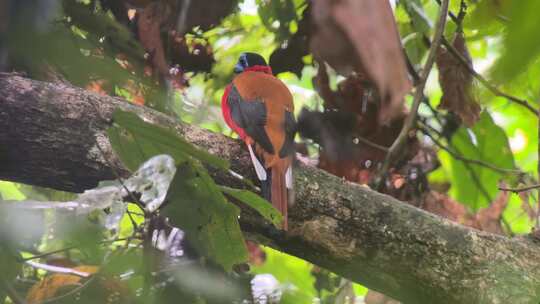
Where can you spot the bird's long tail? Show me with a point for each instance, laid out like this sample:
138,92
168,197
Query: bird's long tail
275,182
278,192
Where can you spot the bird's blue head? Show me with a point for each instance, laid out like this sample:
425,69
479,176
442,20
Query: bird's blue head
248,60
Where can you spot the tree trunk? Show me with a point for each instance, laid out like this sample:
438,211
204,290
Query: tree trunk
49,136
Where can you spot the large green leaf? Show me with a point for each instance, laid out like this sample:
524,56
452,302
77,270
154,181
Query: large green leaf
262,206
290,270
475,185
277,16
197,205
420,21
521,42
9,268
135,141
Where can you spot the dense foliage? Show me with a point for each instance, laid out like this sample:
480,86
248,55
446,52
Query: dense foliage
469,148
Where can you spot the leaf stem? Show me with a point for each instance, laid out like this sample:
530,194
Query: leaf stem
522,189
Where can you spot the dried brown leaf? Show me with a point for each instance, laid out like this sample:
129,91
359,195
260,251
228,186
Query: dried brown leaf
456,83
50,285
362,36
442,205
374,297
257,256
489,219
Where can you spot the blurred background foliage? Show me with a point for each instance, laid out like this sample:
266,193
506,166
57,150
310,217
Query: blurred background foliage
179,60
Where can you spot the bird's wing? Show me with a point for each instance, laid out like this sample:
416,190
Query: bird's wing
290,130
250,115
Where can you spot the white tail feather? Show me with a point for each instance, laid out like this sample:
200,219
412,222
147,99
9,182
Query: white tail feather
289,178
259,168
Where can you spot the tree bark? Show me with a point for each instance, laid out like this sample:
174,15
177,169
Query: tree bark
50,133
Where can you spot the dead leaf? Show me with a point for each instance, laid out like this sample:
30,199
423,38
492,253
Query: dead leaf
489,219
442,205
96,86
397,180
374,297
456,83
65,288
257,256
362,36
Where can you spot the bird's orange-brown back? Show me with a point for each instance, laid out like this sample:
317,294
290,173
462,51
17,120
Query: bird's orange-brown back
276,97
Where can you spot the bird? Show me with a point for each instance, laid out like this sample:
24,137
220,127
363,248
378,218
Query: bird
259,108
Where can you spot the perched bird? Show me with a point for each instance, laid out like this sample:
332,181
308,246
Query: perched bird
259,108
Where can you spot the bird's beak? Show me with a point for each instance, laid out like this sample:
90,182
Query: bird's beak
238,68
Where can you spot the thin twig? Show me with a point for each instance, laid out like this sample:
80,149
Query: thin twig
478,162
523,189
409,123
42,255
132,220
371,144
134,199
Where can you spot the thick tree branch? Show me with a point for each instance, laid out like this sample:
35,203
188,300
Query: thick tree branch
49,135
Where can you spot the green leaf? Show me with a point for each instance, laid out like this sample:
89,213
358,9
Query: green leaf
521,42
276,16
484,19
9,268
126,147
197,206
135,141
259,204
420,20
475,185
288,269
10,191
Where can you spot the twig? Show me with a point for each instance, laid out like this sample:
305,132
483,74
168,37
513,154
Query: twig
523,189
38,256
478,162
132,220
371,144
398,144
134,199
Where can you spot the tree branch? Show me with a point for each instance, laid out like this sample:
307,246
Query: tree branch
49,135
